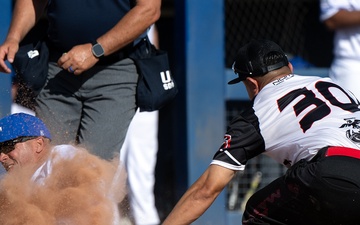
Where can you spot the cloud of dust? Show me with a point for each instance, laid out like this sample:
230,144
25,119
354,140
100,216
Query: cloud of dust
79,191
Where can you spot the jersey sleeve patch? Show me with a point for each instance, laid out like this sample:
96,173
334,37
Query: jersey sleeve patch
242,142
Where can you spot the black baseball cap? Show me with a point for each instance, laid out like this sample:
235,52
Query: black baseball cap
250,60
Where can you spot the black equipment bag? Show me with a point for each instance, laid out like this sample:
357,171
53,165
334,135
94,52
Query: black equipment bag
31,60
156,87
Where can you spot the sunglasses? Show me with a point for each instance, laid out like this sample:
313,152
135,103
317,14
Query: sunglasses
8,146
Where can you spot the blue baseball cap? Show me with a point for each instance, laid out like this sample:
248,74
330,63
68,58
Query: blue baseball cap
22,125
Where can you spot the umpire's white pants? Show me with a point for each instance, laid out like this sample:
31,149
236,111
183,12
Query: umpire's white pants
346,72
139,153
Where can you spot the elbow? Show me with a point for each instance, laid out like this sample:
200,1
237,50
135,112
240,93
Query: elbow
155,14
150,12
331,25
341,19
156,10
206,194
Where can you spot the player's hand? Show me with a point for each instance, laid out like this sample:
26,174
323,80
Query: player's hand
7,52
79,59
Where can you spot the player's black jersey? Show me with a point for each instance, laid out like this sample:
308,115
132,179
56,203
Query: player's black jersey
291,119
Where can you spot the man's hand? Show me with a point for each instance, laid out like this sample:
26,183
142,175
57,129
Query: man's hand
7,52
79,59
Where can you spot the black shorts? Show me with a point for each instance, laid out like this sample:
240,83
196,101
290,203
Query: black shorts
325,190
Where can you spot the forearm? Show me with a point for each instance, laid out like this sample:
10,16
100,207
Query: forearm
131,26
190,207
188,210
200,196
343,19
26,13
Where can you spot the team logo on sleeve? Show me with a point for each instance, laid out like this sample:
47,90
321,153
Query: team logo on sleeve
227,142
353,129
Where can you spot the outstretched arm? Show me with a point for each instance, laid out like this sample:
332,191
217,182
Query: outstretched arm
198,198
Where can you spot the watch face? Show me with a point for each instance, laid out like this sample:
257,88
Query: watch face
97,50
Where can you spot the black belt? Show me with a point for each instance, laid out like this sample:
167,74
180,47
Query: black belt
343,151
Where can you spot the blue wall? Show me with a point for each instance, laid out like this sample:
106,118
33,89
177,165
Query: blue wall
5,79
200,50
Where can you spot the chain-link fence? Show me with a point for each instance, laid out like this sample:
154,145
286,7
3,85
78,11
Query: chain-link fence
293,24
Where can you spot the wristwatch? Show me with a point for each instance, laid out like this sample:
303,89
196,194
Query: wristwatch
97,50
